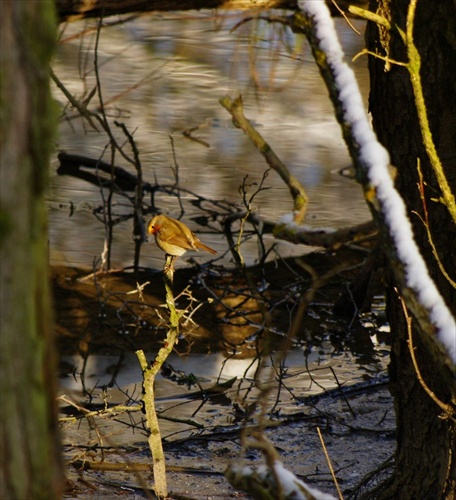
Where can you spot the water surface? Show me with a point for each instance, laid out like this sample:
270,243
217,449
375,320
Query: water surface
163,75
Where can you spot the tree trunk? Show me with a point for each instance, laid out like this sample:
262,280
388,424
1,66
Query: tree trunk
30,452
425,458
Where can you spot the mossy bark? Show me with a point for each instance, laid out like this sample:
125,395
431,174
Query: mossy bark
30,452
425,459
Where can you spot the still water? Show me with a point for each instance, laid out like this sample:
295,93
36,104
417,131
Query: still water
198,408
163,75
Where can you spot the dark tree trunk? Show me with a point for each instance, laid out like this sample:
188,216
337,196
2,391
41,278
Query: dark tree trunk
425,456
30,451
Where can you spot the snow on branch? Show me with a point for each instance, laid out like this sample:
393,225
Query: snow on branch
372,165
264,482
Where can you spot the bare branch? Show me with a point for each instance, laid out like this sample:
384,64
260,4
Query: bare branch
297,191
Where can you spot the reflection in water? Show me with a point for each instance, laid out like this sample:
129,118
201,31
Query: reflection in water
113,380
163,76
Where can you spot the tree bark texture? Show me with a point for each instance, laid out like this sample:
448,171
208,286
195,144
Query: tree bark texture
425,458
30,448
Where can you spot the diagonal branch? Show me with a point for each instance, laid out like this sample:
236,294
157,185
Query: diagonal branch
300,198
371,160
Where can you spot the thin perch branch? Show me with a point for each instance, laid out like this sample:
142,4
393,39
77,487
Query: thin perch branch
149,374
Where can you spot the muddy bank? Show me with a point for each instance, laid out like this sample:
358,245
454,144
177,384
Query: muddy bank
358,431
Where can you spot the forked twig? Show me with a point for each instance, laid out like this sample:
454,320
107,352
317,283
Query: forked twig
149,372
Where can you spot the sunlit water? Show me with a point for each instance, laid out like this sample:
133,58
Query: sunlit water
303,374
163,75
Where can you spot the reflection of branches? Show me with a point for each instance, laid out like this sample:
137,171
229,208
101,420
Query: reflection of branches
138,226
139,231
175,170
257,226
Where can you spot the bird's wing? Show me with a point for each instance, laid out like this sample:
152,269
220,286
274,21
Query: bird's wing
173,234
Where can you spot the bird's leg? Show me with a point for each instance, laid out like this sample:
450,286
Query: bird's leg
169,264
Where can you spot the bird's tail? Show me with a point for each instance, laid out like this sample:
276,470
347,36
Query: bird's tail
202,246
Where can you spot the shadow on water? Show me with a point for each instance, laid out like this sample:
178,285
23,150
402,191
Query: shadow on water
209,388
229,347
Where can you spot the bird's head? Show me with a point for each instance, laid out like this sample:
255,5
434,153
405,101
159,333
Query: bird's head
154,225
